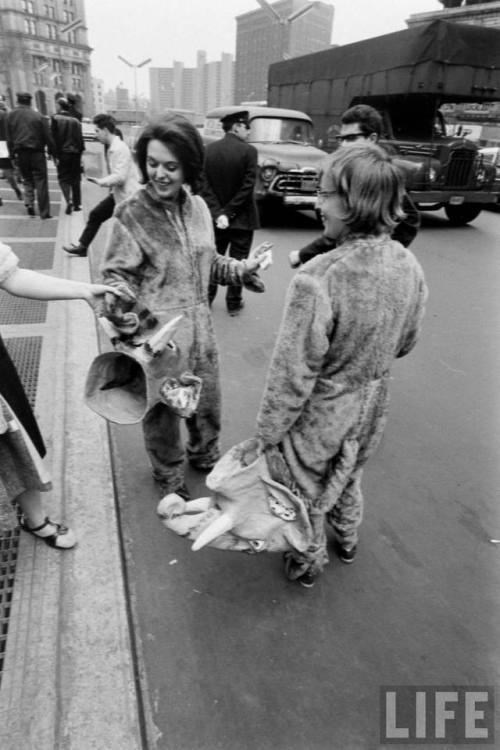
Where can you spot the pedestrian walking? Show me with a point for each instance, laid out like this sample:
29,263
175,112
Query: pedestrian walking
28,135
69,147
161,250
6,164
228,189
121,181
23,475
360,126
348,314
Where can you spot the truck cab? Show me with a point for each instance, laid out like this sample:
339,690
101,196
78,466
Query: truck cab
288,161
441,171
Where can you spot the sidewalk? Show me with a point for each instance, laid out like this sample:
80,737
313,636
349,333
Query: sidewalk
68,677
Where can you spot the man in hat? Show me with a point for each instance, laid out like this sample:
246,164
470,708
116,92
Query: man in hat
28,135
72,109
228,189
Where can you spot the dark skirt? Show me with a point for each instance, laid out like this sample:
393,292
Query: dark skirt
13,392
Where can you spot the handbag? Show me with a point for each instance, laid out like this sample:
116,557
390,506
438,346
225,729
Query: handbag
4,151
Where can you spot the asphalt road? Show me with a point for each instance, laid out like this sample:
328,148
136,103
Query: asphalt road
231,655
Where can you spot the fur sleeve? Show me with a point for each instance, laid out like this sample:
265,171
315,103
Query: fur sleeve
302,343
414,322
122,258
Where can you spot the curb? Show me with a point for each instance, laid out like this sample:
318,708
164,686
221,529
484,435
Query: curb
69,679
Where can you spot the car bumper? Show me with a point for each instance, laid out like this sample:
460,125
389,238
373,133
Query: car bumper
452,197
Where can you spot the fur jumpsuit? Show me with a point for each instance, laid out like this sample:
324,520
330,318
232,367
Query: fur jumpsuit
348,314
167,258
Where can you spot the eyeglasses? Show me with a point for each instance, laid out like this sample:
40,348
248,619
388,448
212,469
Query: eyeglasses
324,194
349,137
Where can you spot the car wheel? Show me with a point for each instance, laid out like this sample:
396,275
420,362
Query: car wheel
461,215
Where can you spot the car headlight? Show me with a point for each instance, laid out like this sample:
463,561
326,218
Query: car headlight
432,175
480,176
268,171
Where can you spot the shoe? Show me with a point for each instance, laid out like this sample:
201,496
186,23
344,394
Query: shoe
346,554
30,210
77,208
62,538
292,572
73,249
47,217
69,209
19,195
307,580
233,311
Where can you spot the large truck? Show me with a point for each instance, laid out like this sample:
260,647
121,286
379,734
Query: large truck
407,76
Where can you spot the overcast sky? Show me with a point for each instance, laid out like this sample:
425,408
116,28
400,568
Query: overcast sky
168,30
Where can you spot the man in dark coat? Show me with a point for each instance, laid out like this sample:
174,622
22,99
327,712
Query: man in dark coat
228,189
361,125
27,136
69,146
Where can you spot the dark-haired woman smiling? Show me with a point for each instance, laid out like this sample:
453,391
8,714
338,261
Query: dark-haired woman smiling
162,247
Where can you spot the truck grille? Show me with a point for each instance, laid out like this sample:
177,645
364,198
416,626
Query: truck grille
297,182
460,169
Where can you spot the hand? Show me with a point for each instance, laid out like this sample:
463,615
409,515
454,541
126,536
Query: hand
92,179
260,257
222,222
294,258
97,294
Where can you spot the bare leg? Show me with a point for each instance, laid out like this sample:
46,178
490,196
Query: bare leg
30,502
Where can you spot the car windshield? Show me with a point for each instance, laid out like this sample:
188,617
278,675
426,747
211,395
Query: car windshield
280,130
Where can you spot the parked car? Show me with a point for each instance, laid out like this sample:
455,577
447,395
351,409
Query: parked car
289,163
491,157
88,129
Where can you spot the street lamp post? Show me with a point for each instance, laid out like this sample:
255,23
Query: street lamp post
135,67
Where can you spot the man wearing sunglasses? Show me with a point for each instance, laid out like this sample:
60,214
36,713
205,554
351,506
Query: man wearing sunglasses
360,125
228,189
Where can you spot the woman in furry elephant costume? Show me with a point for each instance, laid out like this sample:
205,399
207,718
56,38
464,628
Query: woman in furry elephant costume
162,250
348,314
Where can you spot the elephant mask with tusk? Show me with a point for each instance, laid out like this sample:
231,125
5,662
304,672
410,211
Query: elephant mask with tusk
248,510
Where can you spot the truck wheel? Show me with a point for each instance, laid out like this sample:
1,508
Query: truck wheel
461,215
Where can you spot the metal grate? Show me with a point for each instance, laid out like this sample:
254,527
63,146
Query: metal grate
460,169
9,543
38,257
25,352
297,182
26,227
17,310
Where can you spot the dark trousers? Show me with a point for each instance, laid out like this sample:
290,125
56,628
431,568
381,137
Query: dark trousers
69,175
33,168
239,242
99,214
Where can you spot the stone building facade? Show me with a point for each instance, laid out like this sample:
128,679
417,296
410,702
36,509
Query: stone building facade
44,50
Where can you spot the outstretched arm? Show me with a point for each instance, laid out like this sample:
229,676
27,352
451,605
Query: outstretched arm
23,282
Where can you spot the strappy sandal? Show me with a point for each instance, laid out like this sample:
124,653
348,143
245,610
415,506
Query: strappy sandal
62,538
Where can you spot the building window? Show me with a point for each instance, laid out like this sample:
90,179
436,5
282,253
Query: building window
68,16
72,37
49,11
27,6
51,31
29,26
56,66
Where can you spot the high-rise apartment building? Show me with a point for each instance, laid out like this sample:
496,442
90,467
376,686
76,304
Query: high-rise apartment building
194,90
44,50
263,38
97,97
